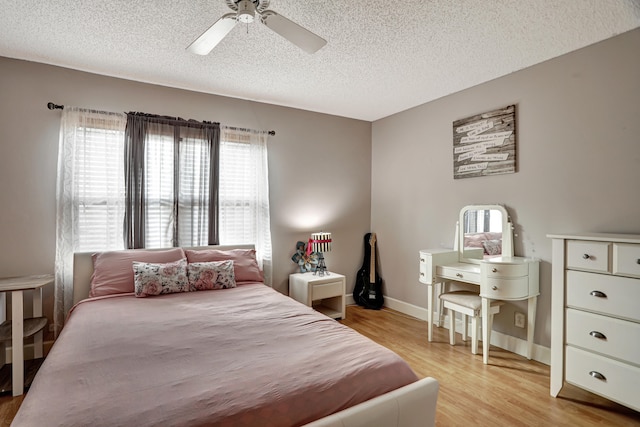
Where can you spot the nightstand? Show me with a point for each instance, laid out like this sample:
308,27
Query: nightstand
324,293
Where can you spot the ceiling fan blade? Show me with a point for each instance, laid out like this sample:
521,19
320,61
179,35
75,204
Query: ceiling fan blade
214,35
293,32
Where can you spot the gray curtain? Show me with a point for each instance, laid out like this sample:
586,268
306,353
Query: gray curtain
171,181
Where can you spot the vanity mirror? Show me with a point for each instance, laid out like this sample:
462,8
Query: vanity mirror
482,232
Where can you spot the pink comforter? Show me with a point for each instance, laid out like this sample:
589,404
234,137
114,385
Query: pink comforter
247,356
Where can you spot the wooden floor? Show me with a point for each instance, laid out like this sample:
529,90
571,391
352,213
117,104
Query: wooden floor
510,391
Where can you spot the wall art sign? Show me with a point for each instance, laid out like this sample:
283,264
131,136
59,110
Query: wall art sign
485,144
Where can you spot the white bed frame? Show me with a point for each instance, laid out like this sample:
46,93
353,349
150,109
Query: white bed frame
413,405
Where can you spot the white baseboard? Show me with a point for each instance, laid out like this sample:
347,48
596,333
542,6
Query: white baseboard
507,342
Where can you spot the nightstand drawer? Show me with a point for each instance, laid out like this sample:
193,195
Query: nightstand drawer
626,259
602,334
505,288
587,255
606,377
326,290
602,293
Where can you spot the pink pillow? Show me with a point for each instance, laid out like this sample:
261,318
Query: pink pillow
113,271
245,264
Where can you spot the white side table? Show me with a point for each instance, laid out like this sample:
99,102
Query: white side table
18,328
324,293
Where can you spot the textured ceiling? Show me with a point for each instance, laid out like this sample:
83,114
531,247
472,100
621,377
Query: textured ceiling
382,57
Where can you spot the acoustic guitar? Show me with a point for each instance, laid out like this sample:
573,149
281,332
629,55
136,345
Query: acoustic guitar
368,290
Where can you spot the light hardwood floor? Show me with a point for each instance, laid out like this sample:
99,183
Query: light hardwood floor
510,391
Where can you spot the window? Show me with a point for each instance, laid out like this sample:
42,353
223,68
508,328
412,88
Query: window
100,191
177,170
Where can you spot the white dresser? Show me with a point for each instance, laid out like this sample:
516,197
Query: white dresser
595,315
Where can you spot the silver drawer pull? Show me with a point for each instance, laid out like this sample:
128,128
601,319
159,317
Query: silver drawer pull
422,274
494,287
586,256
458,274
494,270
598,294
421,259
598,375
598,335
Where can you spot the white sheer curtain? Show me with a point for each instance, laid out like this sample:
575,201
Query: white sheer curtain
90,194
244,192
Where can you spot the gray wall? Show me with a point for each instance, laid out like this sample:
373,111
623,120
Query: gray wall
304,197
578,127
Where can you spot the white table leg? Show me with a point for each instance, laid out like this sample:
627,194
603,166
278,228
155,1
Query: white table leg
531,324
443,289
17,342
37,312
430,312
485,330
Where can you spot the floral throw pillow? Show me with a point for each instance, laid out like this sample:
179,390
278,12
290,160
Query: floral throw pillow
211,275
156,279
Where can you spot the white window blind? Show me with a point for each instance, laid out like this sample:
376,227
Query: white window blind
99,188
237,194
180,179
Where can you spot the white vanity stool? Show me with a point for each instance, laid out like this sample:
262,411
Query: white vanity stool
467,303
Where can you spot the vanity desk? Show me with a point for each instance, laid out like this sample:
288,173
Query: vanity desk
500,276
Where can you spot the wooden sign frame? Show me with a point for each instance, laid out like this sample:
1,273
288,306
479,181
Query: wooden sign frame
485,144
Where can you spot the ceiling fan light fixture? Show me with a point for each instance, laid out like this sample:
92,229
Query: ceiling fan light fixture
246,11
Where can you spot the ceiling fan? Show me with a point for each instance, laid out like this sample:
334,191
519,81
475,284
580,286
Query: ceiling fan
245,11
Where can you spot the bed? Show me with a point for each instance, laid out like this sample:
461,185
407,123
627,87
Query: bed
238,356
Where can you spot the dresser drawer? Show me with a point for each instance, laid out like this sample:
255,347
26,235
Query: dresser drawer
626,259
326,290
588,255
425,270
497,288
619,381
606,335
602,293
504,270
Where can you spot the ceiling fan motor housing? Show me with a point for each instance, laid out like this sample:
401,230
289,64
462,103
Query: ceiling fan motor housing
246,11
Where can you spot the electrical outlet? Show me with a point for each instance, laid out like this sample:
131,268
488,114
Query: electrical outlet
519,320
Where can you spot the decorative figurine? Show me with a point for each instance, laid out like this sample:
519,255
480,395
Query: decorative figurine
307,262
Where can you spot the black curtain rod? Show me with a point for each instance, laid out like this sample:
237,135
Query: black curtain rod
52,106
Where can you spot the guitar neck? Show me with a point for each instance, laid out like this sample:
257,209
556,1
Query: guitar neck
372,264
